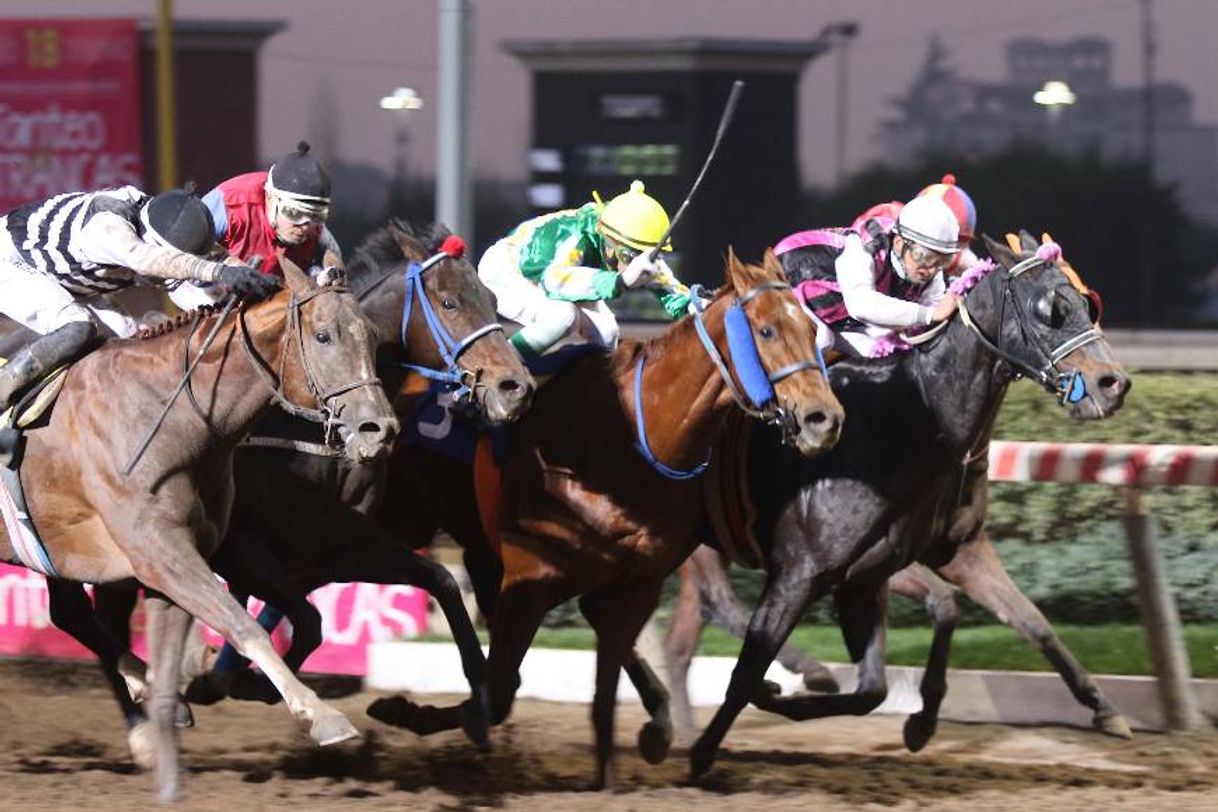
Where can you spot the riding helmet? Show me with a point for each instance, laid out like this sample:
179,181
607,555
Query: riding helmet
635,218
300,177
179,219
929,222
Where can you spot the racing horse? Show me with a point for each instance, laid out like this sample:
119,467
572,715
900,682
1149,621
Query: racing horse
846,521
308,349
599,492
301,510
963,554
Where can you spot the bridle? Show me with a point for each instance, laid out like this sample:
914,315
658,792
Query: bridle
460,381
1067,386
326,413
755,391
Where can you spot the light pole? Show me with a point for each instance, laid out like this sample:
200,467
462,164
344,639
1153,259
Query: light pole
402,100
838,35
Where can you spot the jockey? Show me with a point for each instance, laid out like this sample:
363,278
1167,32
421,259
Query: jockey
878,276
263,216
554,273
60,258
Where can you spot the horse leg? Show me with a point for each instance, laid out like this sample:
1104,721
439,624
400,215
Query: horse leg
521,607
920,584
655,736
786,595
380,559
617,617
862,613
726,612
72,612
978,571
173,566
680,643
167,629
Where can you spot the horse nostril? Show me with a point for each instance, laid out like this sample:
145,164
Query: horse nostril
1114,384
510,386
816,418
375,431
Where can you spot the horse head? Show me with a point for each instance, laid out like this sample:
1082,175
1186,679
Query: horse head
436,317
1046,326
774,358
330,374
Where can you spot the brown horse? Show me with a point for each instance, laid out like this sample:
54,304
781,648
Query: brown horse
299,518
308,348
584,513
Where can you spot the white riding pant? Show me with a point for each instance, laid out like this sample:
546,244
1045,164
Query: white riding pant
526,303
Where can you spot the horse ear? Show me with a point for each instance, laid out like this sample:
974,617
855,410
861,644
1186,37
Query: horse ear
772,265
1027,242
736,272
1002,254
297,280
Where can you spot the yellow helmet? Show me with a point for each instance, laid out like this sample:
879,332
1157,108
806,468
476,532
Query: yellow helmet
634,218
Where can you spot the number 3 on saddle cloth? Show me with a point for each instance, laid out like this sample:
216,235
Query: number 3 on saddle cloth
438,424
32,406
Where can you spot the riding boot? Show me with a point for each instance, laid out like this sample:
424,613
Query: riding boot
41,356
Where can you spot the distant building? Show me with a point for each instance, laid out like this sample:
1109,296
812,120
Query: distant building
943,110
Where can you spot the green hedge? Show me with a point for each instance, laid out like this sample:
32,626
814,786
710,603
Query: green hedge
1064,544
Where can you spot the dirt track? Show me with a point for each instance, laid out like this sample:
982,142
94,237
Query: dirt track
65,748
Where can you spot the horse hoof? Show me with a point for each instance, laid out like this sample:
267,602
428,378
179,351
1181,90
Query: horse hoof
140,741
918,732
204,691
1112,723
254,687
332,728
701,757
183,716
821,681
393,710
654,741
475,724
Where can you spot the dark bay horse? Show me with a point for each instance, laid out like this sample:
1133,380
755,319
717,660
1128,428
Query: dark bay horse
299,518
964,557
308,348
599,491
846,521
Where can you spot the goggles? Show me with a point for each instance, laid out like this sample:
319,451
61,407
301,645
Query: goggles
924,257
299,215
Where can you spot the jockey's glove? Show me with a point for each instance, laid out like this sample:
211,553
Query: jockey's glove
246,283
642,269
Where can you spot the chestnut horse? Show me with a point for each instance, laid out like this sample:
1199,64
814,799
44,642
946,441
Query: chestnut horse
300,509
846,521
599,491
309,349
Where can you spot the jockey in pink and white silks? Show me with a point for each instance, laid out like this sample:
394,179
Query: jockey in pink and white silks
880,276
61,258
554,273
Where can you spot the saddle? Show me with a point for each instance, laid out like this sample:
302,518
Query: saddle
30,407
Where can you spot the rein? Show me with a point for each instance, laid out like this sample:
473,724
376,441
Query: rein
295,329
1067,387
757,398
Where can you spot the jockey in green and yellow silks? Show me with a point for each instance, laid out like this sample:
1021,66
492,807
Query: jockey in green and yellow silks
554,273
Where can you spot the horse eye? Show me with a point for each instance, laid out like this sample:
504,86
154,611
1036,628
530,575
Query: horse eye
766,332
322,337
449,303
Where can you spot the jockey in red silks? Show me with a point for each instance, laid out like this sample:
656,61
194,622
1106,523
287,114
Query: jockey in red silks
274,214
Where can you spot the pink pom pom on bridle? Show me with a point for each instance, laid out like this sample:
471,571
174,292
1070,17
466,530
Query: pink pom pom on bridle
1049,252
453,246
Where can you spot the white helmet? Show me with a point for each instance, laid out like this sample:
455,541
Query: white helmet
928,221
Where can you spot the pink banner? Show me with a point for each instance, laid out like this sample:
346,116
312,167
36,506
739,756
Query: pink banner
69,107
353,615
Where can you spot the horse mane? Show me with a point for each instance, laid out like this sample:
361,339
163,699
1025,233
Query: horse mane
381,248
176,322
